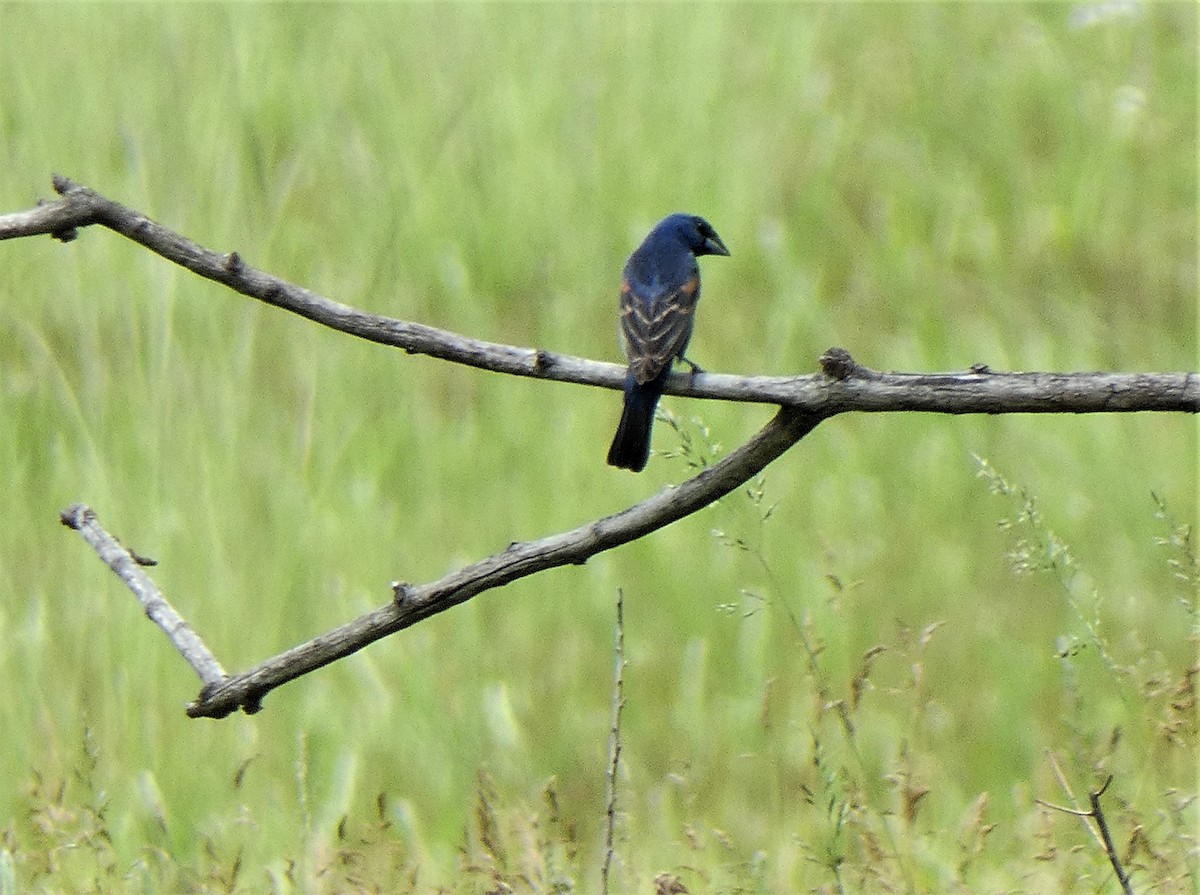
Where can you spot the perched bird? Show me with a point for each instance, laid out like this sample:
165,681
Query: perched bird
658,298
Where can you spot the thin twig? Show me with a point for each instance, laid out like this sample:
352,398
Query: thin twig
1096,814
1109,848
614,743
128,567
1066,786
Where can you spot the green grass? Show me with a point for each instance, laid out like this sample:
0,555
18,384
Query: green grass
929,186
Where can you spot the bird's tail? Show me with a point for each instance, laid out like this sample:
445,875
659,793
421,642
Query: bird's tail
631,445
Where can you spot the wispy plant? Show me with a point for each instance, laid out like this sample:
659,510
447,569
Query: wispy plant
1160,721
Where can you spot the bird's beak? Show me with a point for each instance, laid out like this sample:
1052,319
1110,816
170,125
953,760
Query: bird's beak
714,246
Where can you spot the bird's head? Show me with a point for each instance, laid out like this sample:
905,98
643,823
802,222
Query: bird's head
695,233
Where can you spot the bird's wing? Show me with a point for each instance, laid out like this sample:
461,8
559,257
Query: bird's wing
656,327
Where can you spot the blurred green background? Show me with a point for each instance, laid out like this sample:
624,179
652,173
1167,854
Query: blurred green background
928,186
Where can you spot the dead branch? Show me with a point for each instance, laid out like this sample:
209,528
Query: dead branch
128,566
413,603
851,387
843,385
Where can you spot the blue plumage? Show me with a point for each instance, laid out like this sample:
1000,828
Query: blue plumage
658,301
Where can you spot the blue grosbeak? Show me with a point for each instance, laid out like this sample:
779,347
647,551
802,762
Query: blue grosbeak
658,297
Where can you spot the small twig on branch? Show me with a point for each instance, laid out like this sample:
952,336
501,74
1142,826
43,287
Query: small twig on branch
846,386
614,744
128,567
1096,814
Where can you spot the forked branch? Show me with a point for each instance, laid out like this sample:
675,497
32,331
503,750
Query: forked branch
1095,814
843,385
412,603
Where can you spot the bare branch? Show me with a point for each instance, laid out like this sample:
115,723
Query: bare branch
843,385
852,387
128,567
412,603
